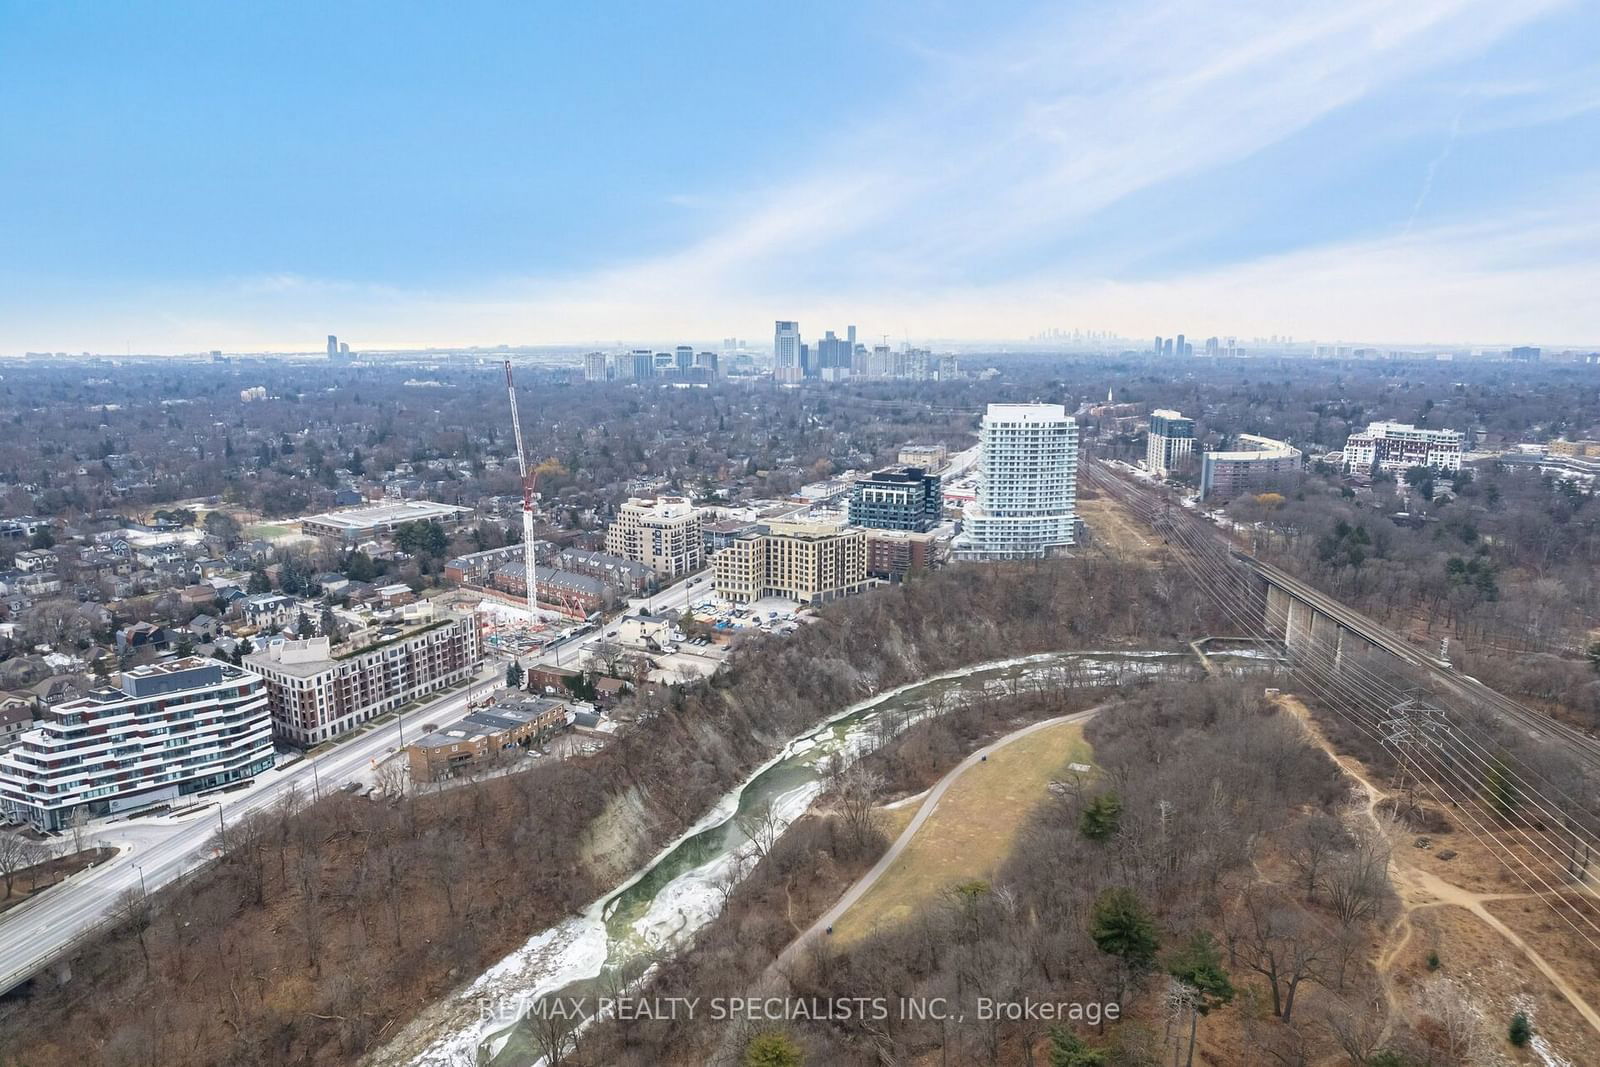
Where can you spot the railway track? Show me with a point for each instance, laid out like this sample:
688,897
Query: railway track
1156,506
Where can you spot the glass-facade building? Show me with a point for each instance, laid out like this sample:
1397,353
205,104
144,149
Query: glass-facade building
897,498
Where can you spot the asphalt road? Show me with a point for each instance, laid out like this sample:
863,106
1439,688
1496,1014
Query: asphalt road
158,850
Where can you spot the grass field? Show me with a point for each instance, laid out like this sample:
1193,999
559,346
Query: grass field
1114,526
971,832
271,531
894,820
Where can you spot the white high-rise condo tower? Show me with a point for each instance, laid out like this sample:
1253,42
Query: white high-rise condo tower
786,351
1027,502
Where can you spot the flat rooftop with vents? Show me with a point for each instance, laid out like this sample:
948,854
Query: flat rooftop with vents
354,524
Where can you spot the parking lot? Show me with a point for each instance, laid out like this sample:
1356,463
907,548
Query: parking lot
691,650
768,615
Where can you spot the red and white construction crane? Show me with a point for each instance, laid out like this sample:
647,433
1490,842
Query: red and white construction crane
530,574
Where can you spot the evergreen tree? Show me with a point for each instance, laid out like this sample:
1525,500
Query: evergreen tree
1504,796
514,675
1121,927
1101,817
1068,1050
259,582
773,1049
1198,964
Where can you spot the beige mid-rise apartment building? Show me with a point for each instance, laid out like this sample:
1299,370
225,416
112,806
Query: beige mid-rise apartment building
663,534
808,562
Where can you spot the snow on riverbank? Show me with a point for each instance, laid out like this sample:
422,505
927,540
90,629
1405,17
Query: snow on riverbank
451,1032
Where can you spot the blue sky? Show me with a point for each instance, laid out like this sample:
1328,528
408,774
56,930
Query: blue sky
179,177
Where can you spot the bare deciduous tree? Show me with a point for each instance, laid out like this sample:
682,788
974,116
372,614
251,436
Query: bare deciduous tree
391,777
1313,841
761,826
133,912
17,853
856,799
1281,943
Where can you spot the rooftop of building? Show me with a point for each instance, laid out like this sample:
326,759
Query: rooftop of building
153,679
581,583
924,536
906,473
15,708
809,531
729,526
511,710
313,655
365,518
604,559
664,507
1407,428
1260,448
1025,413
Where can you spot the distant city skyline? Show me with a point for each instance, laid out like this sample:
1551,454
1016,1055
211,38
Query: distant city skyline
197,177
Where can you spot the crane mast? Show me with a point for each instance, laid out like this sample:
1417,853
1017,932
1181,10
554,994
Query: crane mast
529,573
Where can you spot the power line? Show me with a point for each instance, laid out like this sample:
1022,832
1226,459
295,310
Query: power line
1238,604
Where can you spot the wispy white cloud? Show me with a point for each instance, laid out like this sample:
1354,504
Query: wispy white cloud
947,210
1433,170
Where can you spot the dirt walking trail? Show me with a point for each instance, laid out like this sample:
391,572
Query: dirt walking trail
1420,889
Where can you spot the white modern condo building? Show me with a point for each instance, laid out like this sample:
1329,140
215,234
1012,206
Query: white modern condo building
170,729
1027,499
1399,446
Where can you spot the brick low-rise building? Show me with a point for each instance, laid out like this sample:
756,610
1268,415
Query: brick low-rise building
892,554
623,575
576,596
478,567
1254,463
502,731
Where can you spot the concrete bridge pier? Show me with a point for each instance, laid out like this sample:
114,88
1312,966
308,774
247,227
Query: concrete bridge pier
1276,616
1306,630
